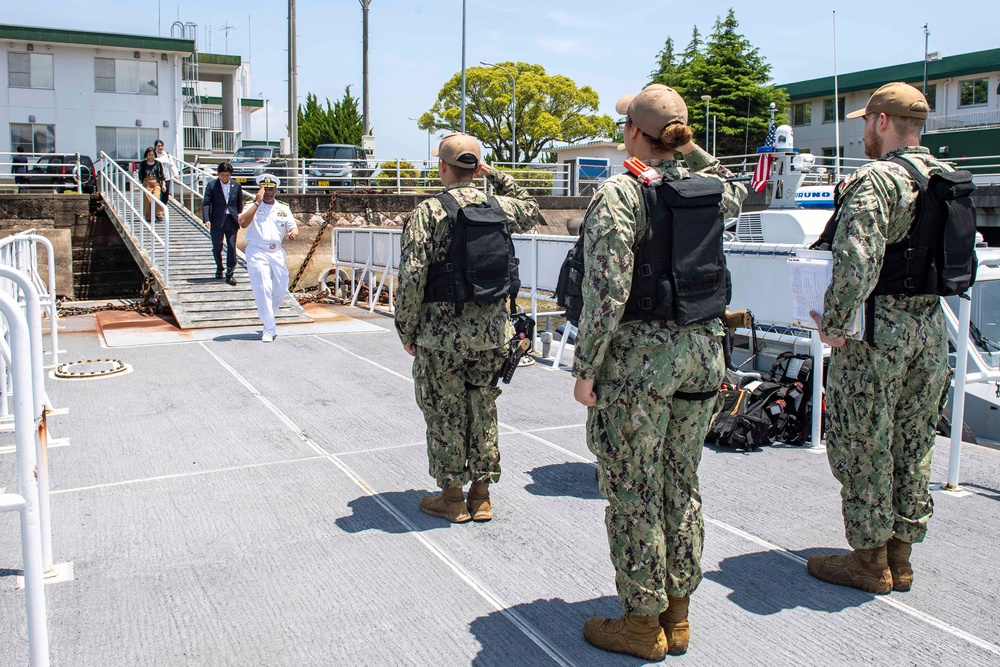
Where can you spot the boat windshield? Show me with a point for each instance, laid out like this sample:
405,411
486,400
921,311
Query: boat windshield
985,329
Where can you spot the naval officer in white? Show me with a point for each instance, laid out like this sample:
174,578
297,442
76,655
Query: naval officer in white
267,222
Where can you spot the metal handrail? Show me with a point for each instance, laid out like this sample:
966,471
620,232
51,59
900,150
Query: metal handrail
26,500
29,181
20,252
115,183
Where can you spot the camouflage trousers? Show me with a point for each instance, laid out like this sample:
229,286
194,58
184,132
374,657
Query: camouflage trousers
648,444
883,404
459,405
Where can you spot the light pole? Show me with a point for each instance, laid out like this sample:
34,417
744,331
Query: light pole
707,98
267,125
428,141
513,111
463,66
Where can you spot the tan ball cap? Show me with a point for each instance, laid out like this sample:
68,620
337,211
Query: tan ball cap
895,99
459,150
654,108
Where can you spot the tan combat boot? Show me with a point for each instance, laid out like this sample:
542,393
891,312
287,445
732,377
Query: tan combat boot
867,569
674,622
449,505
479,503
636,635
898,555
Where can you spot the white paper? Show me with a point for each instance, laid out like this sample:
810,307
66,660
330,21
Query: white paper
810,273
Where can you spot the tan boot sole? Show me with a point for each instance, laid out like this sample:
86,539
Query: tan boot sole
481,515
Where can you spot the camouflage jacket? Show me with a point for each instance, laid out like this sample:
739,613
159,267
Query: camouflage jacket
613,227
876,208
426,238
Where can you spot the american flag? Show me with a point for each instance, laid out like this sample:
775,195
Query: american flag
759,179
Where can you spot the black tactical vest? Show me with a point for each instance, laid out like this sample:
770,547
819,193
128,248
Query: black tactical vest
680,269
480,265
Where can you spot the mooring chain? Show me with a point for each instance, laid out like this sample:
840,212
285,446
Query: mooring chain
315,244
147,306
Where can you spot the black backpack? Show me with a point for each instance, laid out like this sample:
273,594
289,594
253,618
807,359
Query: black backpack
745,422
480,265
940,248
569,288
794,372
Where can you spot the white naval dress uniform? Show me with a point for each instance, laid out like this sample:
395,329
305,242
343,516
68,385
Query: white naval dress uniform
266,259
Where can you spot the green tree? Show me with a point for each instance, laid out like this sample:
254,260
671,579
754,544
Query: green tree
549,108
339,123
730,69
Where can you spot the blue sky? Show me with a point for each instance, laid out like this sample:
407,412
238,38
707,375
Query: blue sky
416,45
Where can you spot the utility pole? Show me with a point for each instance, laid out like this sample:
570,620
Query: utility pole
293,98
463,66
366,124
927,34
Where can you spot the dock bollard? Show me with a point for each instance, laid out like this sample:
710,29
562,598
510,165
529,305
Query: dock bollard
546,337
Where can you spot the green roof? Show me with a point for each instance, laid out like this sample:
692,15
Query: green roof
218,59
949,66
83,37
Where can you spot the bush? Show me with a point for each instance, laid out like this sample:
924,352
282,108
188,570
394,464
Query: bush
409,176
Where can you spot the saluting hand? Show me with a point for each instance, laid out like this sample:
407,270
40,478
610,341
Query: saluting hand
483,169
260,196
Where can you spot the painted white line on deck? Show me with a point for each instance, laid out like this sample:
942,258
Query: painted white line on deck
905,608
911,611
554,428
366,360
195,473
380,449
412,530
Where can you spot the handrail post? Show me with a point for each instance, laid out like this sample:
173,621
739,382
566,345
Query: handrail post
958,393
34,587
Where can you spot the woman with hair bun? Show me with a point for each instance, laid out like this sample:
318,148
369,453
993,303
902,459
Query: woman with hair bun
649,364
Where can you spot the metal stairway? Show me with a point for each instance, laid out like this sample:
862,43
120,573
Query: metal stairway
196,298
180,260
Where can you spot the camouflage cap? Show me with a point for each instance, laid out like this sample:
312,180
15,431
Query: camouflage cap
459,150
895,99
654,108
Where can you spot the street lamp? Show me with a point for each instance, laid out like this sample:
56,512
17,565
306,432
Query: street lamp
428,141
267,125
707,98
513,110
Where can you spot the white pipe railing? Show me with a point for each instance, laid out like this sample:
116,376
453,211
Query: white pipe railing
116,183
963,121
26,500
20,252
40,402
46,172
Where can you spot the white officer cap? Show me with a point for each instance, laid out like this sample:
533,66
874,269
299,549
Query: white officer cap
268,181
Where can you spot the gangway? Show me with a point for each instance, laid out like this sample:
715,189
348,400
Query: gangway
175,253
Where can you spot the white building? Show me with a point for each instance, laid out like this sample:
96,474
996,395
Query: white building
72,91
963,92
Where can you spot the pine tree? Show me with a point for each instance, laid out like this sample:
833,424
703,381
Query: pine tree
730,69
339,123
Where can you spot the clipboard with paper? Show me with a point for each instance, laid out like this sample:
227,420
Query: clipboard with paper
810,273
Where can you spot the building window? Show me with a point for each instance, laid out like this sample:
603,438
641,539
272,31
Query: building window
33,137
125,143
802,113
29,70
125,76
832,152
828,110
973,92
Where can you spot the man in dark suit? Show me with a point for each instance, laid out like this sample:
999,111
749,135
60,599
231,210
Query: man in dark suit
221,208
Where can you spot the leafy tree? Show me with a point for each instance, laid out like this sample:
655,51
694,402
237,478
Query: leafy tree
339,123
549,108
730,69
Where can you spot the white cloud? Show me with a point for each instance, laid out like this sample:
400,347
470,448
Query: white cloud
567,20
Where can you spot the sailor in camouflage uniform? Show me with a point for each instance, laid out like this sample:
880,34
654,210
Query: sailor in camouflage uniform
648,442
457,355
883,400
